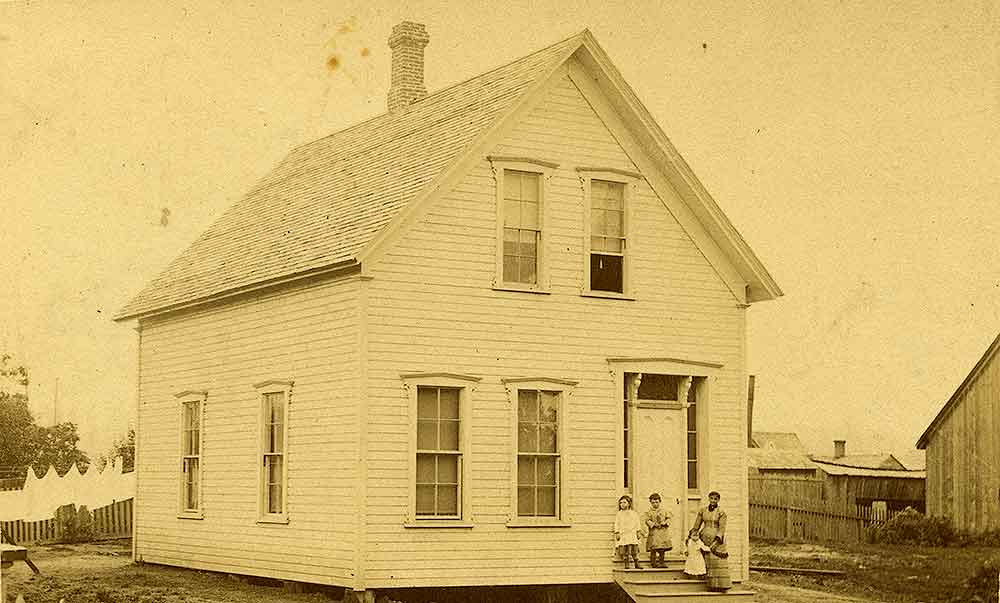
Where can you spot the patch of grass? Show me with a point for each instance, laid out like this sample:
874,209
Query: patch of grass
906,573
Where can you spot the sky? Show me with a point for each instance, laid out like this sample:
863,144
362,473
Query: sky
853,144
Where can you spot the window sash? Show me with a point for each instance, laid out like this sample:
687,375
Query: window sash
439,437
274,468
539,412
190,465
521,227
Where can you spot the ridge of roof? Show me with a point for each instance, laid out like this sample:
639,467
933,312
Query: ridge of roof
987,356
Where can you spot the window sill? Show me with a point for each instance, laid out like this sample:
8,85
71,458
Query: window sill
273,519
540,523
190,515
438,523
517,289
607,295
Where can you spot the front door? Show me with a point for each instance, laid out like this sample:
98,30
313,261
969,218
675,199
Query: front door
659,450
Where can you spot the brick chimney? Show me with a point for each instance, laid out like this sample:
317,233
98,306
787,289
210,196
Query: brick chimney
839,448
407,83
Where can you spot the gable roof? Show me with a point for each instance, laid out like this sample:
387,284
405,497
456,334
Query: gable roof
912,460
861,461
331,202
870,472
774,459
778,440
946,409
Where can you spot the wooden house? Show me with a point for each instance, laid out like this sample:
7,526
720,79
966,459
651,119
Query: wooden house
963,450
878,481
433,349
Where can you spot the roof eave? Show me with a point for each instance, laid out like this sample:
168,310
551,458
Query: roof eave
330,269
946,409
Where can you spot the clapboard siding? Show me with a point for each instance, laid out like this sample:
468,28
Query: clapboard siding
306,333
431,308
963,455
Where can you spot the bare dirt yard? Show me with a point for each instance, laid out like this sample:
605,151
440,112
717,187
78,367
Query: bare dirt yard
104,573
872,572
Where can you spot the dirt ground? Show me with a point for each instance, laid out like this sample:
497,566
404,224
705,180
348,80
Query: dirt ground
104,573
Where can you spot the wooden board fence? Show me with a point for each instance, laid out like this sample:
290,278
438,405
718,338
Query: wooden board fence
112,521
811,521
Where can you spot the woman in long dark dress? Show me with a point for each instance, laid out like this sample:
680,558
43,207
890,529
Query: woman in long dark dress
710,526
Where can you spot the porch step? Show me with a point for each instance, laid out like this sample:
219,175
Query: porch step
649,574
730,596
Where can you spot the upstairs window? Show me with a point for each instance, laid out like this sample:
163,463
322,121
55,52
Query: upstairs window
607,246
522,227
521,184
607,236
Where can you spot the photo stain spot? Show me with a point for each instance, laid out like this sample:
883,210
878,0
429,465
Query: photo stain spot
704,45
165,216
333,63
365,52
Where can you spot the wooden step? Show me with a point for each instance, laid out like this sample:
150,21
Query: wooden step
648,574
652,587
730,596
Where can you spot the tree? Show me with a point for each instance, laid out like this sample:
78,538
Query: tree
123,447
22,441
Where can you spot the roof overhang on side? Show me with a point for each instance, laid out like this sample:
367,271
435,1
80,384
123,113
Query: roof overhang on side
759,284
953,400
341,269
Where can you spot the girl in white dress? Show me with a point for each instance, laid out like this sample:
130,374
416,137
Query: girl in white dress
628,531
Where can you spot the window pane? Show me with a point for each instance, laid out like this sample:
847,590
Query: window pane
606,273
449,435
692,474
615,195
546,501
528,243
274,499
525,500
529,214
549,406
597,222
525,470
276,440
425,500
613,244
449,403
692,446
598,191
547,437
447,503
527,405
526,270
529,186
425,469
277,407
546,470
527,437
427,402
692,416
427,435
511,184
659,387
447,469
510,240
511,213
614,222
274,469
510,268
195,442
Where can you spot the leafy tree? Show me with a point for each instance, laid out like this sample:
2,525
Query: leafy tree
22,441
123,447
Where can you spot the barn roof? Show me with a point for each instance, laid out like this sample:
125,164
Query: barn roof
833,469
946,409
780,440
331,201
861,461
774,459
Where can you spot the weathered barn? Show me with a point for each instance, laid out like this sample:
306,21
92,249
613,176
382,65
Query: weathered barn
963,450
779,455
870,480
434,349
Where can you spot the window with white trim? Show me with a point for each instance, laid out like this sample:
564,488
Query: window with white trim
273,454
439,452
521,184
539,448
606,264
191,413
440,414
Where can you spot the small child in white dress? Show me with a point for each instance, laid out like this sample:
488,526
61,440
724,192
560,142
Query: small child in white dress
628,531
695,563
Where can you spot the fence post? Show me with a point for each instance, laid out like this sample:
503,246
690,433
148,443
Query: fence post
788,522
